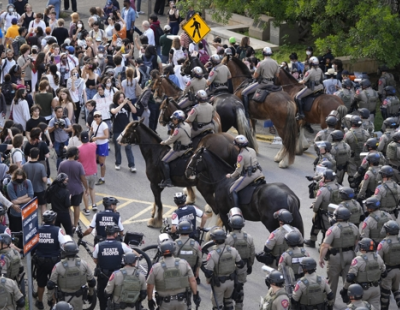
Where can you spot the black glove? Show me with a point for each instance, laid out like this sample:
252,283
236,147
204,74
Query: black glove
79,234
90,298
249,269
50,303
309,178
384,274
151,304
345,298
196,299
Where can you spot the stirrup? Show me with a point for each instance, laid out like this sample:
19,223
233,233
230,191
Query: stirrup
165,183
300,116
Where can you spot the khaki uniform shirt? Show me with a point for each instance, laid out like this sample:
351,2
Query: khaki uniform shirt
196,247
239,235
359,303
219,74
368,126
385,139
314,75
384,247
370,223
324,135
117,278
301,288
338,147
281,302
246,158
181,133
356,134
12,288
347,96
286,260
371,177
202,113
6,262
359,264
194,85
367,98
267,68
334,232
157,273
213,258
324,196
277,238
385,77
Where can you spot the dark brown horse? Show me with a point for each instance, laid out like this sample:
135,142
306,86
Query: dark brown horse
267,198
278,107
231,112
153,152
190,63
322,106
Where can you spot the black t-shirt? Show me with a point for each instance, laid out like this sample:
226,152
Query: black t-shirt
60,33
121,119
32,123
42,146
20,6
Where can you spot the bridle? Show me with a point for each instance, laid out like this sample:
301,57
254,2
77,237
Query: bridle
166,103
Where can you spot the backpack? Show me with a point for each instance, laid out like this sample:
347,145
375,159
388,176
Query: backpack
145,76
203,56
8,92
148,62
122,74
16,44
158,32
243,52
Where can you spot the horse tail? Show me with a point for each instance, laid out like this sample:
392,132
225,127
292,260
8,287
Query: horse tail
244,128
290,132
342,111
293,203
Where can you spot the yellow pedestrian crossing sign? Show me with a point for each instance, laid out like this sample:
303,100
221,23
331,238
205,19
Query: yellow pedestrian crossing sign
196,28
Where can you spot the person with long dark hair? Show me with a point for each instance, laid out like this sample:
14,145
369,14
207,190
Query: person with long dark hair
54,77
20,108
245,50
40,68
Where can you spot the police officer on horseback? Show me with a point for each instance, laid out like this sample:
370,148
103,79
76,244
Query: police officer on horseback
47,252
247,168
108,257
313,81
102,219
182,142
244,244
219,74
126,288
70,275
196,83
201,115
265,74
186,212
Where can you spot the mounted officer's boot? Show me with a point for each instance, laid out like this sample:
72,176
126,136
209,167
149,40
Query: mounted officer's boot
167,176
246,105
300,115
235,199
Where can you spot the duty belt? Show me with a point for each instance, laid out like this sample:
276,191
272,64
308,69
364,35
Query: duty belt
220,84
334,251
395,167
393,267
268,79
226,278
179,297
200,125
185,147
123,305
367,285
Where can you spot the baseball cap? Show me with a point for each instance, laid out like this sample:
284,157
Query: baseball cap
14,21
97,113
167,28
232,40
70,49
35,47
67,41
101,49
84,137
345,72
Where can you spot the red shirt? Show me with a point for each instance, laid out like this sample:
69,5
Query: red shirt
87,157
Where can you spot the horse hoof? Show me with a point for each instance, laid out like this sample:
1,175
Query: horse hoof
276,159
157,223
150,223
283,165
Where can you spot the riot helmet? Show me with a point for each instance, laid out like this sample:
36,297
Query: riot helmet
284,216
356,291
109,201
276,278
293,238
185,228
308,264
391,227
342,213
367,244
372,203
386,171
372,143
337,135
331,121
346,193
364,113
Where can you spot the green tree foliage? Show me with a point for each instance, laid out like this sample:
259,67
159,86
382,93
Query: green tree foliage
357,28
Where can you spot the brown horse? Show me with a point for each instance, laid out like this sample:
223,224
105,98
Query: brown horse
278,106
220,144
231,112
321,108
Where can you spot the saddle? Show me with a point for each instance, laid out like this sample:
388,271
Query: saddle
264,90
196,140
218,90
246,194
178,166
309,100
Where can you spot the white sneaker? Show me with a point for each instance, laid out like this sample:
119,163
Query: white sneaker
133,169
86,212
117,167
94,208
141,12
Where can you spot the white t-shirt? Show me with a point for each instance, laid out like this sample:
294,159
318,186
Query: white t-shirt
149,33
6,19
51,81
21,112
18,156
100,133
74,141
34,25
6,65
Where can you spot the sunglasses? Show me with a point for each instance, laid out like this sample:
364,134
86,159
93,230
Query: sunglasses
96,116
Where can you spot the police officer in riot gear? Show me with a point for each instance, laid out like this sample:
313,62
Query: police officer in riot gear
11,297
338,247
367,98
328,193
276,298
47,252
388,192
126,287
62,305
70,275
386,79
289,262
220,270
323,149
188,248
355,293
322,295
325,134
357,214
346,93
276,245
371,176
108,257
171,277
10,259
367,124
341,152
244,244
186,212
391,104
101,220
355,138
391,125
373,223
366,269
389,250
393,155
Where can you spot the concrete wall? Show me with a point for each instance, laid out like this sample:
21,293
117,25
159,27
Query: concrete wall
361,65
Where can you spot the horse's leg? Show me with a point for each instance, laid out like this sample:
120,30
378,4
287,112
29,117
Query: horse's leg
225,221
191,195
300,140
279,156
284,163
157,202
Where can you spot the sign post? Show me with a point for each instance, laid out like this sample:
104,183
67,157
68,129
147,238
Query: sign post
30,230
196,28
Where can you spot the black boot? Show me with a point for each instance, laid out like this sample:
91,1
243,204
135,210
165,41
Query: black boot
246,105
167,178
300,115
235,199
308,127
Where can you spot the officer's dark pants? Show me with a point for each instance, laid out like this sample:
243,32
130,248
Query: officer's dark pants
101,285
64,219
